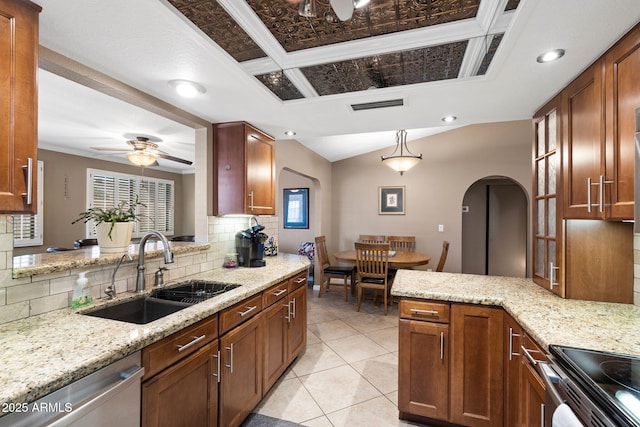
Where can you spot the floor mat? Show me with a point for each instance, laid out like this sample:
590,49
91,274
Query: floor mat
258,420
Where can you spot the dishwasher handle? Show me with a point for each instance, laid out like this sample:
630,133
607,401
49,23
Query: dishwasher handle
127,377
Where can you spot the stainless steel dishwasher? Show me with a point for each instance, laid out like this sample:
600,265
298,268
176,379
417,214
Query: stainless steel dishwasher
108,397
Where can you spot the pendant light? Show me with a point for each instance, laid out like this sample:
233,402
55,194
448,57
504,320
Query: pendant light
404,161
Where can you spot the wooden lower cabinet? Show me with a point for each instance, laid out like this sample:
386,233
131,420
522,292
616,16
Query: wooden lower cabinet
186,394
423,369
451,367
512,334
532,390
297,325
241,371
476,365
275,342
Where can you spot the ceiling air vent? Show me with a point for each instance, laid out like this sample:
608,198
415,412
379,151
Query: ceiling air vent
379,104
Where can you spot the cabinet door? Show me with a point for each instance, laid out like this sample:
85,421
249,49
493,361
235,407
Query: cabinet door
276,338
476,365
532,399
297,331
622,95
547,208
185,394
423,369
229,173
18,106
260,196
241,376
583,144
512,342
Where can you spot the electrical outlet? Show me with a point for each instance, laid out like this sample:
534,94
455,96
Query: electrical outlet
441,228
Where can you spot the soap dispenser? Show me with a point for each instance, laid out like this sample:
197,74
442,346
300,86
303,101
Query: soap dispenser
80,296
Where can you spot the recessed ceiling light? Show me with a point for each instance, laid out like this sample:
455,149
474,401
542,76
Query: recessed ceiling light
186,88
449,119
550,56
289,132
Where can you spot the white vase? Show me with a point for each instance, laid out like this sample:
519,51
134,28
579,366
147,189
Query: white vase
120,236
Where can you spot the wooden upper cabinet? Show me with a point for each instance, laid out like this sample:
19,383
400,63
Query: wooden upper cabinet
583,144
622,98
18,105
244,175
547,187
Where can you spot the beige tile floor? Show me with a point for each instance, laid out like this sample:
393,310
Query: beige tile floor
348,373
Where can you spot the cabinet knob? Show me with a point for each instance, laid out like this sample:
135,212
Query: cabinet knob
227,167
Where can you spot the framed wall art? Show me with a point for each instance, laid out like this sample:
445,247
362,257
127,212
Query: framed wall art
296,208
391,201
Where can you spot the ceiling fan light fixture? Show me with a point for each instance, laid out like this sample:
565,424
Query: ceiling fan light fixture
360,3
187,88
406,159
550,56
307,8
142,157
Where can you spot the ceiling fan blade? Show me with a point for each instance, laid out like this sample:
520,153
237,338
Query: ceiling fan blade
123,150
175,159
342,8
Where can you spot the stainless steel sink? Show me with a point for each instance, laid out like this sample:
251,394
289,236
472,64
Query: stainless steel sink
140,311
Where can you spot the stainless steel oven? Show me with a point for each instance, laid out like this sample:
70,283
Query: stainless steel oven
591,388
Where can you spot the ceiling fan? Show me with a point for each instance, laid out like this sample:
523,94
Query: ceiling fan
144,152
342,8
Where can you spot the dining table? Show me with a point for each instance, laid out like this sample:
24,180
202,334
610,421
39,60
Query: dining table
397,260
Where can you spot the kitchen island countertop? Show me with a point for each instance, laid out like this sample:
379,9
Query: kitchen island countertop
43,353
546,317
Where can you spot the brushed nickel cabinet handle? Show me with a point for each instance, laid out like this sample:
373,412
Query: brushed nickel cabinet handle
441,345
552,275
527,353
418,311
511,335
230,365
192,342
217,357
29,171
249,310
279,292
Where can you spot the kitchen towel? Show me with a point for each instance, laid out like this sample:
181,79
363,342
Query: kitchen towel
563,416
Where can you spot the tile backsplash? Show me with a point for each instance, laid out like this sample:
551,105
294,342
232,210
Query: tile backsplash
20,298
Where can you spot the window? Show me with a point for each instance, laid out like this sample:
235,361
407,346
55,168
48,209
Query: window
107,189
28,229
296,208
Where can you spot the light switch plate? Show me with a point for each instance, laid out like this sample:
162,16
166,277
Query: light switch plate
441,228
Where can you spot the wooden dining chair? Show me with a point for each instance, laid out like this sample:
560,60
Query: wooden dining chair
443,255
402,243
328,271
371,238
372,262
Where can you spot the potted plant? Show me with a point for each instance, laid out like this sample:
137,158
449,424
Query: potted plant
114,226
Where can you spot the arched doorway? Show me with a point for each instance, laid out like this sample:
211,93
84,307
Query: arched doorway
494,228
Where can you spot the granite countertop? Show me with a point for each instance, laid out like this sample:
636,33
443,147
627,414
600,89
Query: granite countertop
46,263
546,317
43,353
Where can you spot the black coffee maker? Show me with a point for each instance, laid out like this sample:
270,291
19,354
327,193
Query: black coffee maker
250,246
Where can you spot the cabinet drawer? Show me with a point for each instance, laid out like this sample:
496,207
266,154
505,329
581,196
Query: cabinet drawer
275,293
166,352
298,280
424,310
234,315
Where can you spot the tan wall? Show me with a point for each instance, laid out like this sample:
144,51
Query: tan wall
435,188
65,189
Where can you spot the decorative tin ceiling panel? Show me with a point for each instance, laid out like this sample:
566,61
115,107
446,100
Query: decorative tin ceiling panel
235,26
488,57
216,23
394,69
278,83
294,32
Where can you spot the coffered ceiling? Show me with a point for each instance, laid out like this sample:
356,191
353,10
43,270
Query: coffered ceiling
260,61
